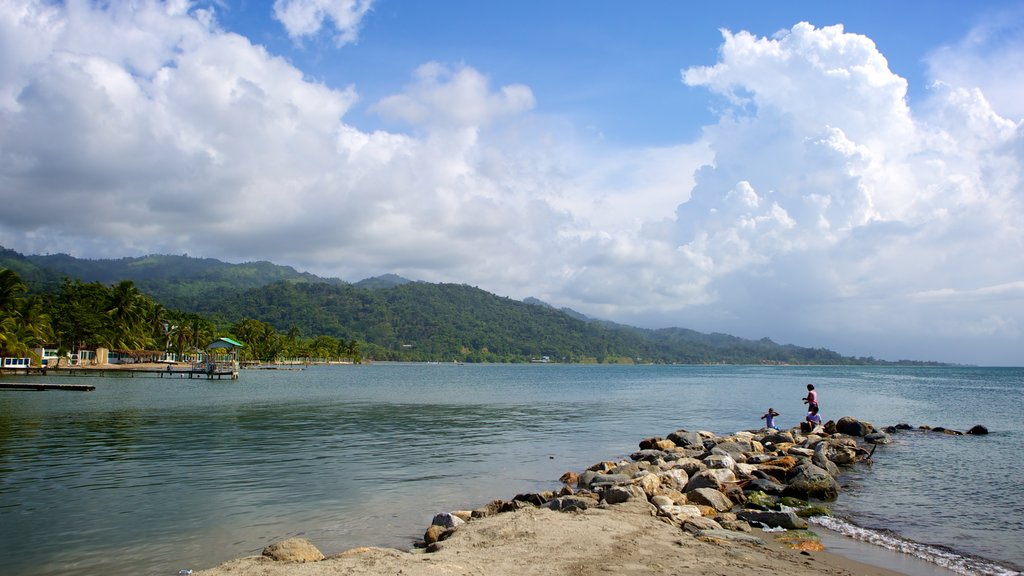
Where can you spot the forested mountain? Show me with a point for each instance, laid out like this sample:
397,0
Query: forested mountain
398,319
179,282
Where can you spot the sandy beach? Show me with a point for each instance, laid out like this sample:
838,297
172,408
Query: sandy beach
616,539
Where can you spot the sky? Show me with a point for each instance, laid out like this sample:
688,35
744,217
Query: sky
825,174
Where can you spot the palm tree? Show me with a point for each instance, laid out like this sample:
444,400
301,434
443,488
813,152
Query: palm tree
126,310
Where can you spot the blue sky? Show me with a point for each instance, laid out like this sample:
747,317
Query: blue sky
845,175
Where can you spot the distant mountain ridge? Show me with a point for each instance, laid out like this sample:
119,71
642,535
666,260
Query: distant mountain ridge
401,319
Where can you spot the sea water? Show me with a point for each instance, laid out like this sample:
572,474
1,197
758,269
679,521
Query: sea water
151,475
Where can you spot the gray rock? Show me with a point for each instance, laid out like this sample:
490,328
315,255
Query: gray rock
594,479
712,478
877,438
773,519
820,459
569,504
720,461
710,497
695,524
854,427
674,478
767,486
810,481
776,438
649,455
686,439
447,520
620,494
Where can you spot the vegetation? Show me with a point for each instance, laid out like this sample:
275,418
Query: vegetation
179,304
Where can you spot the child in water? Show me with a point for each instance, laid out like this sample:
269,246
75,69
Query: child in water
812,397
769,418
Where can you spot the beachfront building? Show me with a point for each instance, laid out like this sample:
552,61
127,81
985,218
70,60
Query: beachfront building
222,357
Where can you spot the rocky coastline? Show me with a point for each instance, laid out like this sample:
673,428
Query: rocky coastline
701,495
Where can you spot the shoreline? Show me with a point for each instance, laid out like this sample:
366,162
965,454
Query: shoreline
692,503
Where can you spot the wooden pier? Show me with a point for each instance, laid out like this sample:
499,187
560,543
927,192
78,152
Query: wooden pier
42,386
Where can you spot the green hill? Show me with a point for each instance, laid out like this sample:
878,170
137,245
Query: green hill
399,319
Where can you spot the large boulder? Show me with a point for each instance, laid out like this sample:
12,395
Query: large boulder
674,478
853,427
821,459
293,550
810,481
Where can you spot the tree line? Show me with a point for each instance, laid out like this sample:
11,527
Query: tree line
119,317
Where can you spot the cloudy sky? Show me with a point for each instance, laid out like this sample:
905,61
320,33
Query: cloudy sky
843,175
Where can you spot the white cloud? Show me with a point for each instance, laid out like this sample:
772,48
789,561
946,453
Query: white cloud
302,18
989,58
819,209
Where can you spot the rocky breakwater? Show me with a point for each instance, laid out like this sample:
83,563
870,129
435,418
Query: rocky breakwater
709,485
716,488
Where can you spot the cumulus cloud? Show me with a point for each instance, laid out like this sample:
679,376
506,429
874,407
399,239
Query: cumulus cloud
818,209
989,58
836,207
302,18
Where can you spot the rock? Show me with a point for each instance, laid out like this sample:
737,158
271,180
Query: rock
821,460
759,500
447,520
569,504
773,519
775,438
493,507
816,510
839,451
686,439
593,479
695,524
649,483
620,494
710,497
786,463
711,478
535,499
720,461
978,430
648,443
947,431
674,478
691,466
648,455
878,438
659,501
569,478
737,450
681,511
293,550
853,427
810,481
903,427
435,533
767,486
800,451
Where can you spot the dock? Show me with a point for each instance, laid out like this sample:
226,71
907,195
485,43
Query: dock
43,386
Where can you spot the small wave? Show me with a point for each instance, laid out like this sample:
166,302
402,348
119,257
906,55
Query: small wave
947,559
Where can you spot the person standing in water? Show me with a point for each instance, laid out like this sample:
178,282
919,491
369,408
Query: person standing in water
769,418
812,398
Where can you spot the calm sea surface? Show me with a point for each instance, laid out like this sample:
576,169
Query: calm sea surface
149,476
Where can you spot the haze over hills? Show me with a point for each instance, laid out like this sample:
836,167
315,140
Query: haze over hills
401,319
